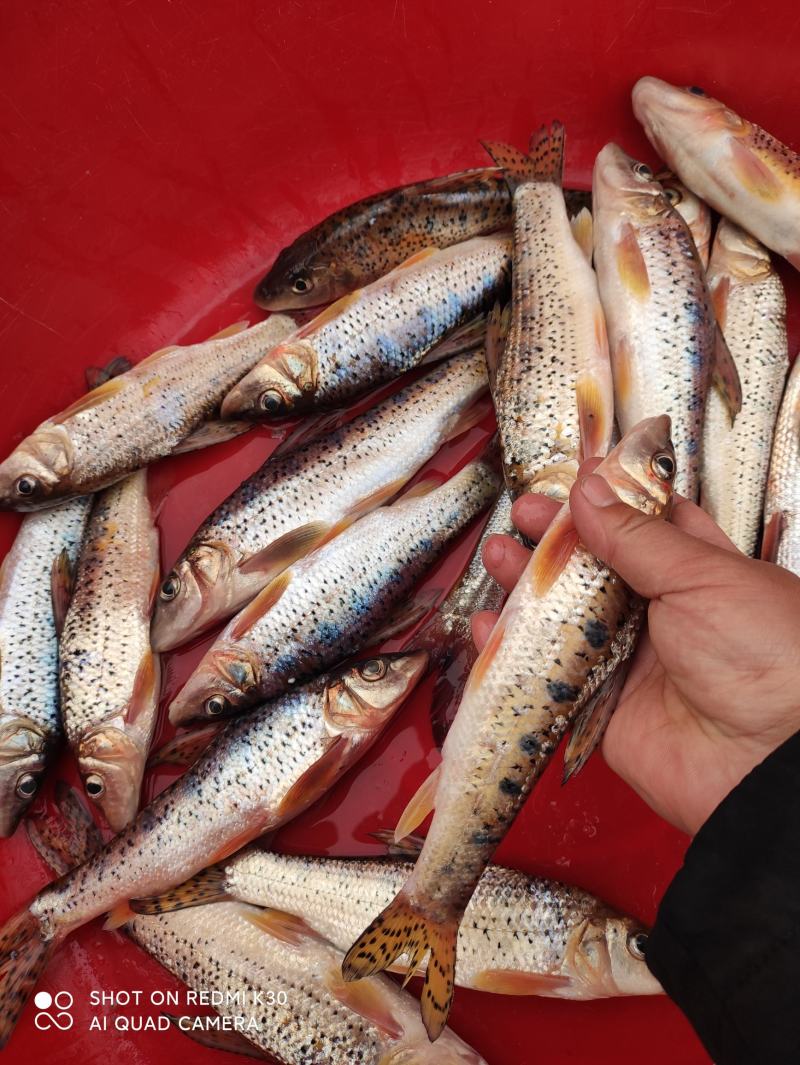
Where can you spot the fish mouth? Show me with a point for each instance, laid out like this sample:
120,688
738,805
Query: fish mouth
24,752
111,767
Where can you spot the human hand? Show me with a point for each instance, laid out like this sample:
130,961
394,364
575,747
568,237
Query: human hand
714,686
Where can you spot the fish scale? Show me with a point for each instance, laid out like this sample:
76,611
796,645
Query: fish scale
782,505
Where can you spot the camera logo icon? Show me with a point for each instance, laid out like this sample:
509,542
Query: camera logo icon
60,1017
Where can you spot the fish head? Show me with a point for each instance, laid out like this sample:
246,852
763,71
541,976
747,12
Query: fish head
641,468
299,279
193,595
35,473
24,751
695,212
281,385
605,958
738,254
111,767
224,683
360,699
627,189
626,941
670,114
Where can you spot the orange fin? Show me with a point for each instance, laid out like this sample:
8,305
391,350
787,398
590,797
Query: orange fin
592,720
211,432
753,173
368,999
513,982
421,804
91,400
287,927
118,916
420,489
403,928
418,257
546,152
553,552
622,363
145,687
24,953
773,533
631,266
185,748
62,583
232,1042
582,226
264,601
407,614
719,297
230,330
487,656
371,502
317,779
156,355
407,847
517,168
205,887
497,328
594,418
331,312
725,375
466,338
67,839
469,418
98,375
296,543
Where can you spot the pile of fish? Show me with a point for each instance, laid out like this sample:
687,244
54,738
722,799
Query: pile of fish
632,314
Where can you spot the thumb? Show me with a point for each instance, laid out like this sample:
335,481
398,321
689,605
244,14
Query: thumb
650,554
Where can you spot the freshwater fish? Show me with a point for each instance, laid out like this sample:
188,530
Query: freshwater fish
297,501
376,333
782,505
553,390
556,657
695,213
110,678
45,547
520,935
665,345
134,418
334,601
263,770
361,242
750,306
738,168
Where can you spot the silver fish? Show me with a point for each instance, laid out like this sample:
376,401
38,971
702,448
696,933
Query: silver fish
782,505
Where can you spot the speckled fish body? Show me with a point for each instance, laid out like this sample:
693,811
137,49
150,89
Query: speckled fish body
557,649
30,723
361,242
285,984
658,308
695,213
735,166
553,383
782,505
295,502
110,679
332,602
751,310
133,419
260,772
376,333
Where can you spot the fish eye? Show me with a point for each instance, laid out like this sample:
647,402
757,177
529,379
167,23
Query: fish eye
26,485
216,705
641,170
663,466
271,401
637,944
695,90
26,786
673,195
170,587
94,786
373,669
302,283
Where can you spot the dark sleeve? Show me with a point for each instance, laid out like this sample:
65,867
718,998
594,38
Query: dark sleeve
726,943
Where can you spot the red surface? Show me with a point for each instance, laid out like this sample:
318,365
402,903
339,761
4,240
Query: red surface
154,159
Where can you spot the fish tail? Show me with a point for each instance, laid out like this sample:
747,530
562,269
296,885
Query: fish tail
204,887
545,163
404,928
24,953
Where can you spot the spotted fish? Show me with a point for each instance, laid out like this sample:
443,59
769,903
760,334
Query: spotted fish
782,505
695,213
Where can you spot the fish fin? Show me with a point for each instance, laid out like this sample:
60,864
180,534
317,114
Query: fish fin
773,532
264,601
231,1042
98,375
185,748
725,375
145,687
90,400
368,998
418,257
486,657
594,417
553,552
420,489
211,432
465,338
407,847
310,429
419,806
230,330
753,173
118,916
513,982
286,927
403,928
469,418
62,583
371,502
631,267
546,150
202,888
68,839
591,722
582,226
497,327
331,312
156,355
316,780
24,953
623,370
720,294
407,614
517,168
281,553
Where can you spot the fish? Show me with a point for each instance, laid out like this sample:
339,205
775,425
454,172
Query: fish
110,678
739,169
521,934
263,770
376,333
297,501
335,600
134,418
695,213
358,244
34,573
750,306
447,633
666,348
553,390
781,542
556,657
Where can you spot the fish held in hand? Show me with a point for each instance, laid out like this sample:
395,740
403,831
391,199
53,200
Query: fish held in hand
554,658
781,543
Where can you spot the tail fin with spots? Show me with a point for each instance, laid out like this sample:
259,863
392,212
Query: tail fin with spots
24,953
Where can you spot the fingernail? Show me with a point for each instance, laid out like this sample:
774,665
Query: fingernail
494,551
597,490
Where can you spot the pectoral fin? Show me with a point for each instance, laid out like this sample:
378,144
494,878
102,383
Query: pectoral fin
211,432
725,375
421,804
513,982
62,582
592,720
